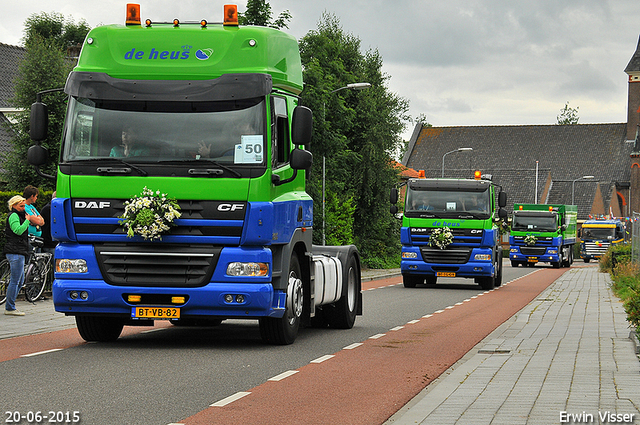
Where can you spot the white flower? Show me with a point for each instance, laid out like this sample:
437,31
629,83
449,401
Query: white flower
149,215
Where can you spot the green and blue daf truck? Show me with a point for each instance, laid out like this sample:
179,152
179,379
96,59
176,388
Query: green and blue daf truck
449,229
207,115
543,233
596,236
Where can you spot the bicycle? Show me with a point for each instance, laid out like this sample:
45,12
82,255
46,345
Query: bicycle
36,273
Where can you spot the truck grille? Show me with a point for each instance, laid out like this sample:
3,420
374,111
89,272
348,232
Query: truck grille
166,265
593,248
533,250
446,256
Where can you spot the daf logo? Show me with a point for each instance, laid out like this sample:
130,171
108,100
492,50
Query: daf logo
230,207
474,231
92,204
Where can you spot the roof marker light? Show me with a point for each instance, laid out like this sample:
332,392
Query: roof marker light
477,175
203,23
133,14
421,174
176,22
147,22
231,14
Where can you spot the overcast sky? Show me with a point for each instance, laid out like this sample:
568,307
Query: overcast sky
459,62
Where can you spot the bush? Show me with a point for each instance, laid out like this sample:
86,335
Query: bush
615,256
625,278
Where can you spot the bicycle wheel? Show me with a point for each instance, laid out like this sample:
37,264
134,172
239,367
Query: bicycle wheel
34,281
5,276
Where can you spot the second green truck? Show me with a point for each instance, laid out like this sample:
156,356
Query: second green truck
543,233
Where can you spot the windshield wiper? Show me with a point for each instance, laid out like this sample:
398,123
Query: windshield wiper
121,170
207,171
110,170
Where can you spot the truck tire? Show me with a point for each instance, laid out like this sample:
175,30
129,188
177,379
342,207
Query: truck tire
498,279
410,281
101,329
342,314
284,330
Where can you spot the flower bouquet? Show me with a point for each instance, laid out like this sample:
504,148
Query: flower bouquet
441,237
149,215
530,240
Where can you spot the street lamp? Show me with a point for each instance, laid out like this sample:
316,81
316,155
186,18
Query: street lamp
457,150
354,86
573,186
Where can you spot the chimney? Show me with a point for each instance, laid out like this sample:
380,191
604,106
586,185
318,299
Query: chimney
633,104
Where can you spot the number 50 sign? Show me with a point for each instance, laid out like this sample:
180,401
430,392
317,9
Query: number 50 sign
249,151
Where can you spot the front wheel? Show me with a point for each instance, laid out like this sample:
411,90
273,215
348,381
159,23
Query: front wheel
283,331
102,329
5,277
410,281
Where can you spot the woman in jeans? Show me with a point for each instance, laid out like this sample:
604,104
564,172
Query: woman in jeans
16,249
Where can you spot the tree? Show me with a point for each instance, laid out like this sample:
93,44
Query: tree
46,66
568,115
259,13
356,132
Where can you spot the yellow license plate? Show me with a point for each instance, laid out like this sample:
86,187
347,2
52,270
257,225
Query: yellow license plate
445,274
155,313
532,259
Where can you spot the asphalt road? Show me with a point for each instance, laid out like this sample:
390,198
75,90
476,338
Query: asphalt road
165,374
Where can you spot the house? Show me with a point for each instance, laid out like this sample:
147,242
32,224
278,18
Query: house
10,59
594,166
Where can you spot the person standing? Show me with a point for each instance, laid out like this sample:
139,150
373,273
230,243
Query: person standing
16,249
49,243
30,194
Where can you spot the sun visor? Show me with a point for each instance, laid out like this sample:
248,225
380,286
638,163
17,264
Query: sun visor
92,85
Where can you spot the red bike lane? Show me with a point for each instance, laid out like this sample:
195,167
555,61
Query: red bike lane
368,383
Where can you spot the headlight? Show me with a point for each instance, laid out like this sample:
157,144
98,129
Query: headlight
248,269
409,255
514,249
483,257
71,266
552,251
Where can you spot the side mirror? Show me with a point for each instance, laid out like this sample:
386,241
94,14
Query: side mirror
39,122
302,126
393,196
503,213
393,209
37,155
502,200
301,159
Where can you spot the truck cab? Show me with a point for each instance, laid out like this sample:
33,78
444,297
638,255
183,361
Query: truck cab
596,236
449,230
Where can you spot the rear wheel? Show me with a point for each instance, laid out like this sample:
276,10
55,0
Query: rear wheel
342,314
5,276
284,330
102,329
35,281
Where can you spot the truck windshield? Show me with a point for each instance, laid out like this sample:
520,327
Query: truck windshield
229,132
448,203
531,222
599,233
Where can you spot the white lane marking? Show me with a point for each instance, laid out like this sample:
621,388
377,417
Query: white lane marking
230,399
397,328
41,352
283,375
322,359
411,322
376,336
352,346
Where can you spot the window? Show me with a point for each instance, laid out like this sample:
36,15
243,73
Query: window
279,131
